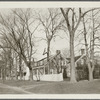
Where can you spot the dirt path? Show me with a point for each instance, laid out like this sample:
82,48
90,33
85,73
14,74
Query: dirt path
14,88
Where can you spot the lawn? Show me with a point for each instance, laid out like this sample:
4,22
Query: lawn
21,83
83,87
65,87
9,91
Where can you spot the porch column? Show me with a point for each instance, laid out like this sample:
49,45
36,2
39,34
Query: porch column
37,74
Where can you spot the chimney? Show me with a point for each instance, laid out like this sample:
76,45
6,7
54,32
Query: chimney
58,52
82,51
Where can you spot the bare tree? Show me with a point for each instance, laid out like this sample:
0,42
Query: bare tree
19,34
73,18
52,24
71,29
90,54
6,57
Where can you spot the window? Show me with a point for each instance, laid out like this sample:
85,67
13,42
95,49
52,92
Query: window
35,64
41,63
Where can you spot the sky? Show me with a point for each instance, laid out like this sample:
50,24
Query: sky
59,44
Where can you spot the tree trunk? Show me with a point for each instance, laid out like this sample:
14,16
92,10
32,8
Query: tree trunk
92,47
48,54
72,63
88,62
31,71
31,74
90,74
3,74
28,63
87,54
10,73
93,65
20,65
16,69
89,65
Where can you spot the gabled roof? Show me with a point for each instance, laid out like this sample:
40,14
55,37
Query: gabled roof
51,58
77,58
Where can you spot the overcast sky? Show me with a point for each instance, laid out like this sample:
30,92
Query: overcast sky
59,44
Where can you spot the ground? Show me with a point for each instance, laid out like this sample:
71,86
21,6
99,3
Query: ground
65,87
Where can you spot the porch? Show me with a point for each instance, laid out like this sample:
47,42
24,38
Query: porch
40,74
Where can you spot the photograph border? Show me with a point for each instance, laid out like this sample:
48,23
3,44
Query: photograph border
56,3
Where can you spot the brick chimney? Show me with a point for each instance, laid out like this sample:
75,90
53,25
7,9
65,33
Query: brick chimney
82,51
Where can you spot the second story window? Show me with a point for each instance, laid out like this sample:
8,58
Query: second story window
35,64
82,61
41,63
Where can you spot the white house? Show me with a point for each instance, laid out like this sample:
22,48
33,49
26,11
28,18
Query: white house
40,68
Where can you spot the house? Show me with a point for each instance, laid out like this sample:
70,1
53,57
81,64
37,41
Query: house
82,68
54,72
60,68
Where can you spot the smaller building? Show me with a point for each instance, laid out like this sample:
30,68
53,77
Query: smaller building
82,68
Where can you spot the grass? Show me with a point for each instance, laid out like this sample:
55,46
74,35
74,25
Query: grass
65,87
20,83
68,88
9,91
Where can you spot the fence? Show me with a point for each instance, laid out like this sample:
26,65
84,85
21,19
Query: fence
49,77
